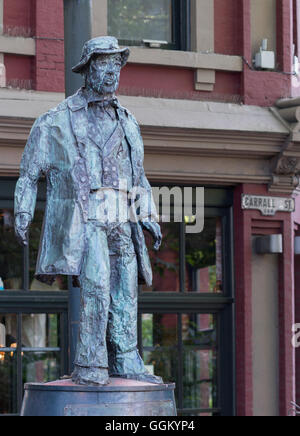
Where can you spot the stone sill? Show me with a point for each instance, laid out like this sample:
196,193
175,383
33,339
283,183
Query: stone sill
184,59
17,45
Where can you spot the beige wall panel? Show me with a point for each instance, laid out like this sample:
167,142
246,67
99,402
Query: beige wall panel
263,24
265,335
10,160
202,25
99,18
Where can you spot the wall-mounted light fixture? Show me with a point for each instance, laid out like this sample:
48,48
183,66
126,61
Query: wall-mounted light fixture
297,245
270,244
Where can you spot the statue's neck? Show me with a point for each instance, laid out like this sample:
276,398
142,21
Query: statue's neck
97,95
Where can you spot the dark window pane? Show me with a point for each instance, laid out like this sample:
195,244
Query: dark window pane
8,382
8,364
11,253
165,262
40,367
160,349
199,361
199,390
204,258
159,329
40,330
34,242
138,20
8,330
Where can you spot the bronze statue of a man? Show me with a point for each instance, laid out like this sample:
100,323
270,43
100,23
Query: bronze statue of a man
90,150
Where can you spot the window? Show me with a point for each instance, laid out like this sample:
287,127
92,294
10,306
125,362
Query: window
136,22
33,316
186,332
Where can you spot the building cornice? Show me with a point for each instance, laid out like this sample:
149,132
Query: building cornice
185,141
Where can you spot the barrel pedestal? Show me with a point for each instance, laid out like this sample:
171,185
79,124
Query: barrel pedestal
121,397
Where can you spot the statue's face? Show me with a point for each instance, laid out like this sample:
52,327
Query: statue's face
103,74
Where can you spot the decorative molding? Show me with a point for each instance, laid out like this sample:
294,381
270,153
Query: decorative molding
218,155
205,80
285,166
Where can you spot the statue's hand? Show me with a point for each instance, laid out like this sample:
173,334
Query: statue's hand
154,229
22,223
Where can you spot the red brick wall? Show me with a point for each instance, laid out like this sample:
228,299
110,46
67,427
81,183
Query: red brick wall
19,17
228,38
49,62
178,83
19,71
42,19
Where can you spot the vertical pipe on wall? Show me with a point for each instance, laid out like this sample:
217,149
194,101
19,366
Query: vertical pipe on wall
77,30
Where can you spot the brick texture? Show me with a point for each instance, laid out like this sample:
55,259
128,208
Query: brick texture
49,62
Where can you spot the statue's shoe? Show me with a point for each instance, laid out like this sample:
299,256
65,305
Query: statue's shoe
130,365
90,376
145,377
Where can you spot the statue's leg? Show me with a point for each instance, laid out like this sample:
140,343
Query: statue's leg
91,362
124,358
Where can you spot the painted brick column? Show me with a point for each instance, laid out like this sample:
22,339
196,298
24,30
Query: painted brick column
262,88
243,292
246,224
285,34
49,62
297,294
2,66
287,319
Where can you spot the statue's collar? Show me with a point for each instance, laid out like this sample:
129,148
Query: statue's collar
84,97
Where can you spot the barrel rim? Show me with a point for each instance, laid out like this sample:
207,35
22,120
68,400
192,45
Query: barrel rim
96,389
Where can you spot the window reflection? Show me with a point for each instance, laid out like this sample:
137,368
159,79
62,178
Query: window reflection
8,364
165,262
203,254
134,20
190,359
41,367
11,254
199,361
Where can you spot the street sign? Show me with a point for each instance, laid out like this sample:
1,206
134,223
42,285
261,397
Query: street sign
268,206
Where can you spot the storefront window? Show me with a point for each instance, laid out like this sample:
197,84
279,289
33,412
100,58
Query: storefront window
187,316
17,264
33,315
30,352
188,262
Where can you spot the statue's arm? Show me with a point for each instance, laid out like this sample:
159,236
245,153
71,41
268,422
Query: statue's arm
33,165
148,214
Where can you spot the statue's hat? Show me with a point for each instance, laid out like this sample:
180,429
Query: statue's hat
101,45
